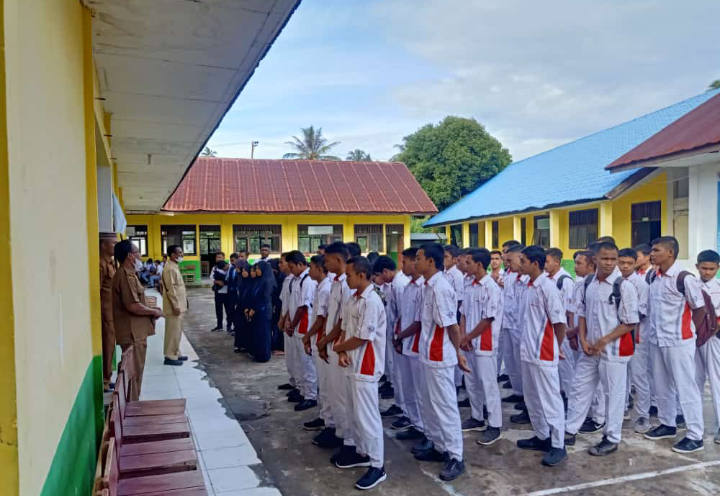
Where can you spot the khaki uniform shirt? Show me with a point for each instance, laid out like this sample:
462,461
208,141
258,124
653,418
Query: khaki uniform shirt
107,272
173,289
129,327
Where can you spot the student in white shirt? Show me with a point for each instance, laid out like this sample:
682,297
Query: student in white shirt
439,351
707,357
643,267
497,273
543,331
608,312
291,385
457,281
564,281
360,352
482,313
672,318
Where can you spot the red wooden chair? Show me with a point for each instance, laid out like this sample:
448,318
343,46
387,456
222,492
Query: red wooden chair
126,370
156,431
165,418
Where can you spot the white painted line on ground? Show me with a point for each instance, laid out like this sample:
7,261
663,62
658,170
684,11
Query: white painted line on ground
443,485
626,478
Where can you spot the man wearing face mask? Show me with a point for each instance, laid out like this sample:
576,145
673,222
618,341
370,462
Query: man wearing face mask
174,305
134,319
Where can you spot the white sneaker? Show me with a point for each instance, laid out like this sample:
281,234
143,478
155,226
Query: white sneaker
642,425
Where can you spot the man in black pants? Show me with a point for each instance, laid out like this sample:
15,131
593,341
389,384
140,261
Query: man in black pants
220,289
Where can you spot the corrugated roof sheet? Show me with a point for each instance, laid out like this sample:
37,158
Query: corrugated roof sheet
571,173
696,129
299,186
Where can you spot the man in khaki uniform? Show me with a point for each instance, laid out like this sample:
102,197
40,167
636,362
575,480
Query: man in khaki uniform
174,305
134,320
107,272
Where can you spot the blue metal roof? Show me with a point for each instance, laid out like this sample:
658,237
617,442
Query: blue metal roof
571,173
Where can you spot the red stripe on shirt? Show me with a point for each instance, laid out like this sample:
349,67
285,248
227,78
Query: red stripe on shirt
303,324
436,345
486,340
367,367
627,348
416,343
687,323
547,347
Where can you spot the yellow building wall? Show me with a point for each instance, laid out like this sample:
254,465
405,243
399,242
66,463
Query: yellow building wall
48,231
505,231
653,190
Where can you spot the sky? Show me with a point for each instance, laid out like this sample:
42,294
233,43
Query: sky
536,74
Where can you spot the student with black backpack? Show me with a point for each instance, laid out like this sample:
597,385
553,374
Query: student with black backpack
564,282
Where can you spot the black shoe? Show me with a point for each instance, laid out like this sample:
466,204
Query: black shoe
502,378
520,418
485,413
680,422
661,432
432,455
424,445
653,412
282,387
535,444
513,398
305,405
383,378
409,434
384,387
296,398
604,448
490,436
345,451
569,439
170,361
554,457
452,470
630,402
372,478
393,411
388,394
473,424
591,427
351,460
507,385
464,403
216,329
327,439
688,445
182,358
521,406
314,425
293,391
401,423
238,350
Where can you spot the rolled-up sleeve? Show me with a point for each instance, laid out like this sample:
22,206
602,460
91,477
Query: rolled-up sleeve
693,293
446,305
555,306
369,316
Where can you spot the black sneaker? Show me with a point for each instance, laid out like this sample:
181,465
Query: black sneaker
216,329
688,445
535,444
680,422
452,470
401,423
591,427
490,436
182,358
569,439
344,451
384,387
423,445
296,398
604,448
305,405
409,434
283,387
388,394
520,418
503,378
383,378
513,398
630,402
351,460
473,424
393,411
464,403
554,457
507,385
170,361
653,412
292,391
432,455
661,432
314,425
372,478
521,406
327,439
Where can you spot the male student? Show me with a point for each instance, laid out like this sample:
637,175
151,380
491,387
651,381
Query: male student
672,316
496,261
564,281
638,369
321,300
643,264
482,313
439,351
457,282
707,357
608,311
644,267
291,385
360,353
543,331
265,252
497,273
301,297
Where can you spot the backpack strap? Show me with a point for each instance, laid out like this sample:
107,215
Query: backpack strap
681,281
650,276
303,280
588,280
561,281
616,295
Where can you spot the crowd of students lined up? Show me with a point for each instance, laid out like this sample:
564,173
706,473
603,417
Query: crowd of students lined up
632,330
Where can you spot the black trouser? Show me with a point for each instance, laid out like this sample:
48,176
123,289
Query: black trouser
222,301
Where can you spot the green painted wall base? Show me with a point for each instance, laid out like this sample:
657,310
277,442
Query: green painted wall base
73,466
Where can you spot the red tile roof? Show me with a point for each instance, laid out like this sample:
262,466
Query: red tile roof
299,186
697,129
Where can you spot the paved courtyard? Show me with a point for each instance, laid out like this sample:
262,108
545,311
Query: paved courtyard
248,392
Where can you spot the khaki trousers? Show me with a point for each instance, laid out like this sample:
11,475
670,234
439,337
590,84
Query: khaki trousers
173,334
138,358
108,350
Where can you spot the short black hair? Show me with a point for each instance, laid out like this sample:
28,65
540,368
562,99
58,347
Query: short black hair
578,253
266,246
234,255
556,253
511,243
319,261
606,239
410,252
337,248
669,242
222,264
453,250
436,252
606,245
321,247
709,256
122,250
628,252
372,256
361,265
383,262
591,246
481,256
589,256
644,248
535,253
149,260
296,257
171,250
464,251
518,248
353,248
496,252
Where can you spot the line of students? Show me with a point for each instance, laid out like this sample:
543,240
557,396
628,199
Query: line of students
450,313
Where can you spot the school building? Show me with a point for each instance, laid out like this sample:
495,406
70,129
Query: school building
566,198
104,106
231,204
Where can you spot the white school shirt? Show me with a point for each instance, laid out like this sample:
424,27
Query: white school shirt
366,319
410,312
285,293
712,288
501,274
542,307
485,301
321,302
301,295
643,289
602,315
393,297
467,281
339,294
510,301
439,310
456,280
568,285
669,313
577,295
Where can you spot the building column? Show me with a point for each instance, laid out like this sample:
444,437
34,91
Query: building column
554,228
605,219
703,225
448,235
517,228
465,235
488,234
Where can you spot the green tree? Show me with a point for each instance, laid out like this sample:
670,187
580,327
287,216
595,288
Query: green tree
715,85
453,158
207,152
416,225
312,146
358,155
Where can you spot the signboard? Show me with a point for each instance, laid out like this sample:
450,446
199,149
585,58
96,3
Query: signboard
319,230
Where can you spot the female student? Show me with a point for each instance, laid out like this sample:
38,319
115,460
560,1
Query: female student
261,311
244,291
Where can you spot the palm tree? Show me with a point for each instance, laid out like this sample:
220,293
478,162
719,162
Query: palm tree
715,85
207,152
396,157
358,155
312,146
